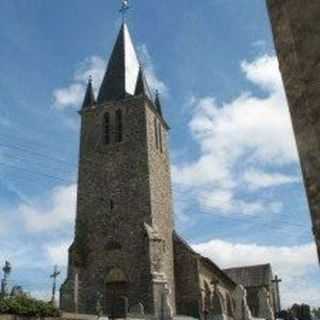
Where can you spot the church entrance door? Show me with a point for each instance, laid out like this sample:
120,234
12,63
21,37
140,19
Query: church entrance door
116,301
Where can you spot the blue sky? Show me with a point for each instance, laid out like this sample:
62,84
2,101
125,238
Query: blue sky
238,191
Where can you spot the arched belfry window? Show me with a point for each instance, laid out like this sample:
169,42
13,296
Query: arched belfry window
119,126
156,133
160,138
107,128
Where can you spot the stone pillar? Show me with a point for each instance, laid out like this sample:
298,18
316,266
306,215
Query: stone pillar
265,308
296,30
241,311
76,292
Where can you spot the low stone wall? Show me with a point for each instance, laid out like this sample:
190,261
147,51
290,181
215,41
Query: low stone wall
15,317
74,316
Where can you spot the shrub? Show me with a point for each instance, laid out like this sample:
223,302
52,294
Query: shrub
26,306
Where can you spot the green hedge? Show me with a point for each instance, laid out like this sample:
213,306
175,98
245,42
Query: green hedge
25,306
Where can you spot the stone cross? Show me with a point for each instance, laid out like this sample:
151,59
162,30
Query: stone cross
277,281
54,276
124,8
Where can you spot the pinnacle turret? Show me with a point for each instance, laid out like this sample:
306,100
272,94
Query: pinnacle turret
157,103
142,86
89,98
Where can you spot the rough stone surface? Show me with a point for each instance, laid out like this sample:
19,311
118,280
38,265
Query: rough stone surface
265,311
124,188
242,310
256,280
296,30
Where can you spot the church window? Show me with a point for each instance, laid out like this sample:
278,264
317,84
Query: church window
160,138
156,133
229,305
118,125
107,128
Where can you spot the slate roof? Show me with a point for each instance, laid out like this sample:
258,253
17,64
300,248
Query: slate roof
124,75
251,276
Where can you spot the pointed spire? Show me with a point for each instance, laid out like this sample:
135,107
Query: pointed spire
142,85
157,102
89,99
122,72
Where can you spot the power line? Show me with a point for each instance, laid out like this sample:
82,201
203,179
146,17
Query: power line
38,154
34,172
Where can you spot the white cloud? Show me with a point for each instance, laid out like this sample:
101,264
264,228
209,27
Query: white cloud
258,179
52,213
249,132
72,95
293,264
58,253
153,80
264,72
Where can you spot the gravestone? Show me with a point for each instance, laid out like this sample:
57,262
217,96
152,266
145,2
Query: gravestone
137,310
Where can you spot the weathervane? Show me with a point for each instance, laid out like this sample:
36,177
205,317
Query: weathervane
124,8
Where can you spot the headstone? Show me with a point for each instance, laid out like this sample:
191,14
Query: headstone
137,310
166,309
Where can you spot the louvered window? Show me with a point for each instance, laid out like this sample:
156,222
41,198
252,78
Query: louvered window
160,138
119,126
107,128
156,133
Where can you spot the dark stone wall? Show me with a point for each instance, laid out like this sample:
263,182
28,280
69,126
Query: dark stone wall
296,30
119,191
188,295
161,197
197,282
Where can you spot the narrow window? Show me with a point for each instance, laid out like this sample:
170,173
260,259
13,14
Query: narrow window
156,133
111,204
160,138
107,128
118,126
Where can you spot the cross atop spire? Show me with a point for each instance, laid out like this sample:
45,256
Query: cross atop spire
124,8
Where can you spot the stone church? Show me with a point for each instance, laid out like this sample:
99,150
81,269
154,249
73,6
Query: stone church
126,258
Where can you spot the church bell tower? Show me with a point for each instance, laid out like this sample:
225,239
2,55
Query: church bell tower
122,254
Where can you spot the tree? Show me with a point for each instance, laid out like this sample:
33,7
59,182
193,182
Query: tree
316,313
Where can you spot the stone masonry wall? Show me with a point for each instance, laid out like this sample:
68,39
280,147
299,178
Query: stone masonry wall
114,203
161,195
207,275
188,296
296,30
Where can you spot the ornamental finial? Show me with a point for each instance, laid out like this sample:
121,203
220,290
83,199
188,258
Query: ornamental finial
124,8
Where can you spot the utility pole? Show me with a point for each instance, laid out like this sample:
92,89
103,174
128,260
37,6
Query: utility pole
276,282
54,276
4,282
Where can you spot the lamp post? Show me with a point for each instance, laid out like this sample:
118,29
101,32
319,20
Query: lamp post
4,282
